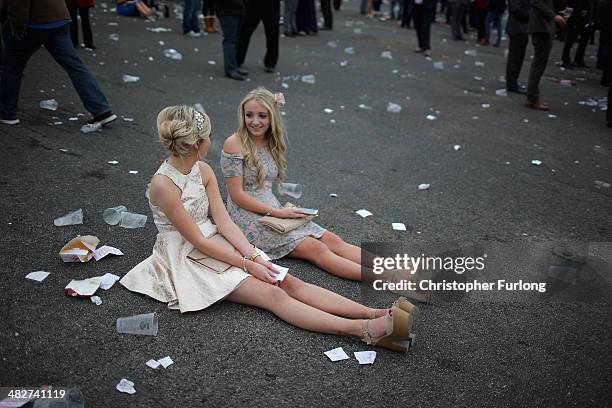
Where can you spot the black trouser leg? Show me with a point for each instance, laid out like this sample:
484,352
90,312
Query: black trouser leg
585,36
271,19
326,10
249,24
516,55
570,38
74,27
542,44
87,34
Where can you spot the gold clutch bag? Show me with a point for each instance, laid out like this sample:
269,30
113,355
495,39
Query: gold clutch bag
283,225
206,261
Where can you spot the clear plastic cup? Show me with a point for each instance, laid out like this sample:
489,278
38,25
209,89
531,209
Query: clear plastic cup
291,190
72,218
143,324
131,220
49,104
112,215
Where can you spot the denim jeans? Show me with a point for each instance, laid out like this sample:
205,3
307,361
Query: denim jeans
495,18
57,41
230,25
191,22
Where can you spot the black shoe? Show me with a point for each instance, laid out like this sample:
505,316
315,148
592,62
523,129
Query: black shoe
520,90
290,35
269,70
235,75
103,119
325,28
242,72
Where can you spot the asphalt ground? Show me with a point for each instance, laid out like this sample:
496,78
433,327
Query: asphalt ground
478,349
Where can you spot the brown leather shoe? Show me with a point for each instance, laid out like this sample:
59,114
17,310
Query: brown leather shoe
538,105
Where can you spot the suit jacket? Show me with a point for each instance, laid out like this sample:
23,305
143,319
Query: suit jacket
542,17
518,17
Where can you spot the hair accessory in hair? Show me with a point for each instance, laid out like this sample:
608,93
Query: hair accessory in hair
199,118
279,98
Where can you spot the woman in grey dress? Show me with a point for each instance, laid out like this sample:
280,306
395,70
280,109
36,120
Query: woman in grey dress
253,159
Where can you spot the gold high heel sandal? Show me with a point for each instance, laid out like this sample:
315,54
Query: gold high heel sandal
396,336
403,304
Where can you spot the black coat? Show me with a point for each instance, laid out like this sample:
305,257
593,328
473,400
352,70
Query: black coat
518,16
542,17
230,7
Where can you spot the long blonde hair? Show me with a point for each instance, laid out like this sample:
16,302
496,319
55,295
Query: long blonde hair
275,135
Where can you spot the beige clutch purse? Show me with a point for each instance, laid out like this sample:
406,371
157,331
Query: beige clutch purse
283,225
210,263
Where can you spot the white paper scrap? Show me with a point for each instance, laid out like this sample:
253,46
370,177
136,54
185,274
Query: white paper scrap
97,300
38,276
112,162
86,287
126,386
333,195
107,280
327,110
282,272
398,226
424,186
166,361
457,147
337,354
105,250
363,213
431,117
365,357
133,172
536,162
154,364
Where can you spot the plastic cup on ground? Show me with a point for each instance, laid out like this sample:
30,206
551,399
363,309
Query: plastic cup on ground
143,324
131,220
112,215
73,218
291,190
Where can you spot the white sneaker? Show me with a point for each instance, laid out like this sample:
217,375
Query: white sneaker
10,121
193,34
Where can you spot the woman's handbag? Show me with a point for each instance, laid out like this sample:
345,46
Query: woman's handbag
283,225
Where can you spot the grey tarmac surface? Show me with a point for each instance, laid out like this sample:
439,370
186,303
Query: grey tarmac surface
479,349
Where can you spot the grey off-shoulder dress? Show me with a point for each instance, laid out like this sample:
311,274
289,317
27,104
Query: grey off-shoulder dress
275,244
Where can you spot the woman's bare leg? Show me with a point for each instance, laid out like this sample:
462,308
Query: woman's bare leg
327,300
274,299
319,254
341,248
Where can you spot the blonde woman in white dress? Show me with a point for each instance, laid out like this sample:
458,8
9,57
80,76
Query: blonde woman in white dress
184,192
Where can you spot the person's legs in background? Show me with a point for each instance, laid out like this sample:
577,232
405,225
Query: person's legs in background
517,47
58,43
16,54
328,19
230,25
86,24
190,17
290,11
542,44
271,19
74,25
497,20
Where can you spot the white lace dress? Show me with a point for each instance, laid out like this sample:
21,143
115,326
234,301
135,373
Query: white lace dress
168,275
